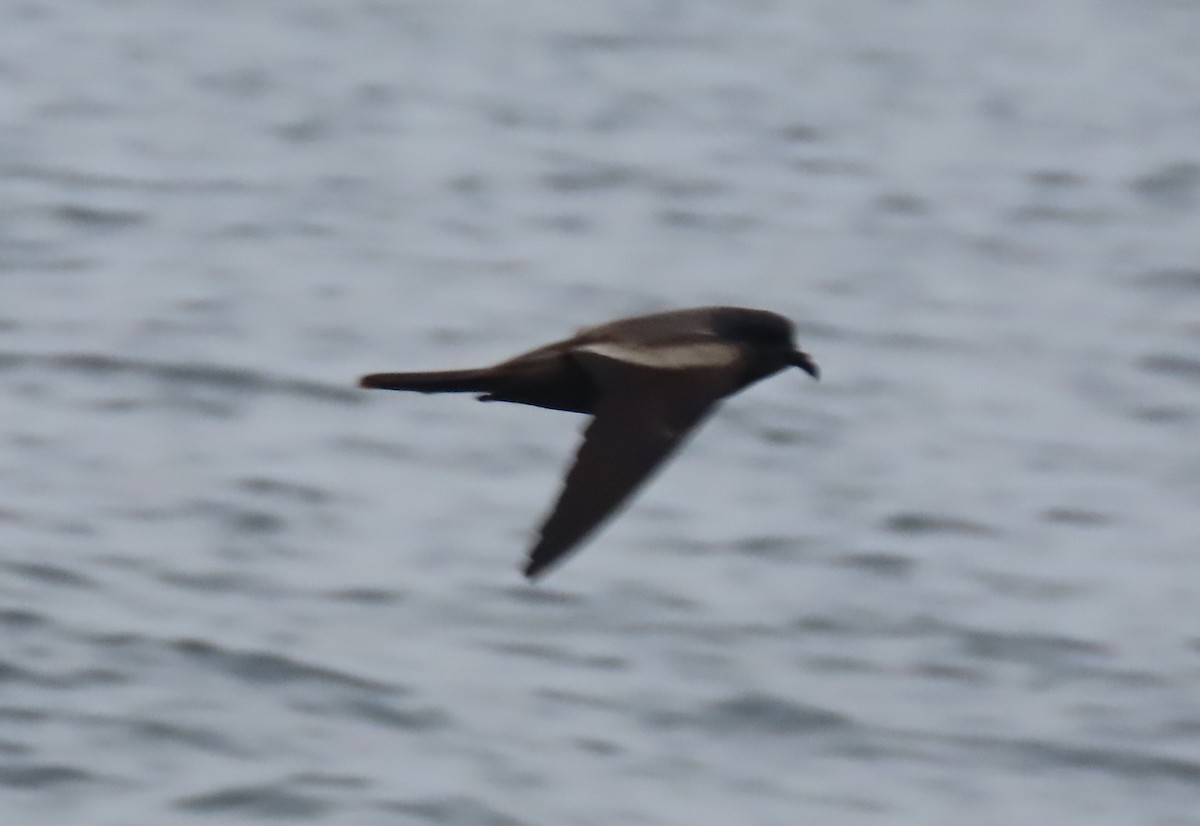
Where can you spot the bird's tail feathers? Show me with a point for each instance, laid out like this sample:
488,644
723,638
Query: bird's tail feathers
442,381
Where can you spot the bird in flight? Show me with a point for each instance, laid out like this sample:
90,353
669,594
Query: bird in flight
647,381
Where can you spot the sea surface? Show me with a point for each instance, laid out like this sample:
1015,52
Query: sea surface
955,582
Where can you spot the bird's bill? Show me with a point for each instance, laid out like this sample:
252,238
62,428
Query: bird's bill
804,361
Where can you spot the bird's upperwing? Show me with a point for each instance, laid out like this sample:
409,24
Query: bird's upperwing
649,400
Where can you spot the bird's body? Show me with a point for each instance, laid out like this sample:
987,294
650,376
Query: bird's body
648,381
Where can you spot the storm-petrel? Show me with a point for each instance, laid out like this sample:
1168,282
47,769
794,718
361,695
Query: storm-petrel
648,381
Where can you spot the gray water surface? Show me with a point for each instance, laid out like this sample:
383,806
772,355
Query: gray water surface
955,582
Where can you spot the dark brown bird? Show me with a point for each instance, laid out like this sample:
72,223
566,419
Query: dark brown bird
648,381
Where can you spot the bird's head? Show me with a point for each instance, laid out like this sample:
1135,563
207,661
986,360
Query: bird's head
772,336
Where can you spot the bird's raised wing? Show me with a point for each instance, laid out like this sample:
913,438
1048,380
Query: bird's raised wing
646,409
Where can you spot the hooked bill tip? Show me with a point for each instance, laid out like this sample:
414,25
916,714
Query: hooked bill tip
804,361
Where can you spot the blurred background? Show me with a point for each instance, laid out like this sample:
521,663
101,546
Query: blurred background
955,582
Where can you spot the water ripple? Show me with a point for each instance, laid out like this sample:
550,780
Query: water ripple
755,713
452,811
230,379
266,801
42,776
270,668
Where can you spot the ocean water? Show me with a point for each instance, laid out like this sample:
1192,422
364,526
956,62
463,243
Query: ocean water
958,581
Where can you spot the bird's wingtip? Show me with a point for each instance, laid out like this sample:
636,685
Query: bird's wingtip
532,570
